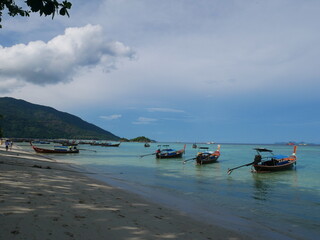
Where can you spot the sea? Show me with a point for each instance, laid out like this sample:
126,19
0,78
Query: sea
279,205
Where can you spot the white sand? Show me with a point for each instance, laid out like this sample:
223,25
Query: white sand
42,199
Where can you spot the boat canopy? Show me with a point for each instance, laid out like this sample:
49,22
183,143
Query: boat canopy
168,150
278,157
207,152
263,150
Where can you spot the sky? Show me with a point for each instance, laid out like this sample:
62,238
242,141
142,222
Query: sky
235,71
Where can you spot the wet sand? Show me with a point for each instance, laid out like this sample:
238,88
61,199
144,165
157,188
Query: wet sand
41,198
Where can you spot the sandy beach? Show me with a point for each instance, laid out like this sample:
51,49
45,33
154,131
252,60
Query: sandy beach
41,198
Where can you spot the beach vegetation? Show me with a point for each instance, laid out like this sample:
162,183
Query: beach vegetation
43,7
141,139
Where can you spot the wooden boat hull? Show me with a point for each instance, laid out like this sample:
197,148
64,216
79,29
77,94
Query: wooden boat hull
207,160
106,144
42,150
170,153
177,154
207,157
110,145
274,168
271,163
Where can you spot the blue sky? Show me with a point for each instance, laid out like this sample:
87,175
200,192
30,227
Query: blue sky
173,70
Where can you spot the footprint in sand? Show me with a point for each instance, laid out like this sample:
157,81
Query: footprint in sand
15,232
69,234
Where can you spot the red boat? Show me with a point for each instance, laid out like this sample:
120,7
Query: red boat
64,149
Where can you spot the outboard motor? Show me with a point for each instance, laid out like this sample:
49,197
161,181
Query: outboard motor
158,153
257,159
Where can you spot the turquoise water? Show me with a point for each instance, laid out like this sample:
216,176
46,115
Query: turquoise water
284,205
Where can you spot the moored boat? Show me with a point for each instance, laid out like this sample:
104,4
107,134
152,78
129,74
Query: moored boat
41,142
270,162
273,163
69,143
106,144
206,156
110,144
170,153
57,149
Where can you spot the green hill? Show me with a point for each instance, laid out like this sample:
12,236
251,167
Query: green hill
21,119
141,139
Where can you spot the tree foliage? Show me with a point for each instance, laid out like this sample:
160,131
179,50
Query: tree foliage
22,119
140,139
44,7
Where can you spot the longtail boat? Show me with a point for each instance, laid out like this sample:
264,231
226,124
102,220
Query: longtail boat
273,163
57,149
207,156
108,144
170,153
270,163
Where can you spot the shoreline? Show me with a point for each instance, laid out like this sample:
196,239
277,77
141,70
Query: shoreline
221,218
41,198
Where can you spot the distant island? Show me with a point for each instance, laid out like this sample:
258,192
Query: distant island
138,139
292,143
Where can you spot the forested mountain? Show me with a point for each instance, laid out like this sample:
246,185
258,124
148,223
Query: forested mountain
21,119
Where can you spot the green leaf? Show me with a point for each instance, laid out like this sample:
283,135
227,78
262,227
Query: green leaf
49,8
35,5
62,11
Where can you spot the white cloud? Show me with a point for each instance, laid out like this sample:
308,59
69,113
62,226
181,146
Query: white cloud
61,58
248,43
111,117
144,120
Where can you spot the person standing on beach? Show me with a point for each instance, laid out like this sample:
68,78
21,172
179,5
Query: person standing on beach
7,145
